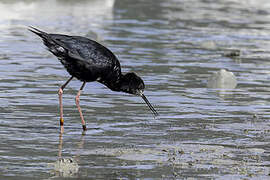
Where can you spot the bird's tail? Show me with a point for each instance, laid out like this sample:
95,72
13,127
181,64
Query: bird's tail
47,40
53,45
38,32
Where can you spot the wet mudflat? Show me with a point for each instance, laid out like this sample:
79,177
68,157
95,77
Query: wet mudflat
175,46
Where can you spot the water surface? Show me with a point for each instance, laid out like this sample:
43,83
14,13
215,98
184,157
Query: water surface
174,46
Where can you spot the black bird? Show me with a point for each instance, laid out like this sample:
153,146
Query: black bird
90,61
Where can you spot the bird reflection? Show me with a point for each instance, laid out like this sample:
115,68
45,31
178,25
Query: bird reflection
66,166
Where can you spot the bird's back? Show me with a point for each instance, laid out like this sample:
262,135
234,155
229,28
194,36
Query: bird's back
86,49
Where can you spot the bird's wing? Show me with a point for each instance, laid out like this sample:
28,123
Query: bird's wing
68,44
84,49
81,49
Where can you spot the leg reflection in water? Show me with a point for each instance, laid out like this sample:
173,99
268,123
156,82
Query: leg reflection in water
66,167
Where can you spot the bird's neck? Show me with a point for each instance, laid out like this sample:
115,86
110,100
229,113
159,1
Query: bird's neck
123,83
117,85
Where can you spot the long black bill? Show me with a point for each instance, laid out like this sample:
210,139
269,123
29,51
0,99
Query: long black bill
149,105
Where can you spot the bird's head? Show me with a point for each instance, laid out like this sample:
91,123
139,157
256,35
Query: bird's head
133,84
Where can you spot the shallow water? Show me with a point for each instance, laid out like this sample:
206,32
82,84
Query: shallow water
174,46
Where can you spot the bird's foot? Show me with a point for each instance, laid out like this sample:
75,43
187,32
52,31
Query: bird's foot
84,129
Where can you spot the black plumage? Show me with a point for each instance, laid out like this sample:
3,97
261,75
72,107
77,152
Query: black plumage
90,61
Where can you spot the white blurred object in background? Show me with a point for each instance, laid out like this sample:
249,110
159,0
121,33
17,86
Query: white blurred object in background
222,80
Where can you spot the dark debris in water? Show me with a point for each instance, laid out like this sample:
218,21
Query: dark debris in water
232,53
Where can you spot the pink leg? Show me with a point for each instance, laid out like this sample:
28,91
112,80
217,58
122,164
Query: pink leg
60,94
77,100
